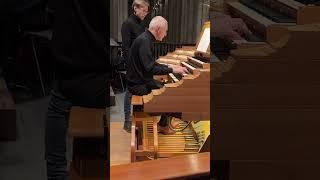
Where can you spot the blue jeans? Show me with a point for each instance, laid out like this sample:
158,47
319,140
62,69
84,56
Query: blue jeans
56,136
127,106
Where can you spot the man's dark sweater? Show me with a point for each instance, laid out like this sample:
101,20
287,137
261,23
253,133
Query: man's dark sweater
142,65
79,46
130,30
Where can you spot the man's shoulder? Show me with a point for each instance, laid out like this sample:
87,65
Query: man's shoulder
141,39
129,21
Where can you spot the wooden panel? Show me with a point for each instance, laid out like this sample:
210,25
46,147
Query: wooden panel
175,167
89,168
75,176
86,122
178,104
308,15
267,95
88,156
251,134
195,116
271,71
275,170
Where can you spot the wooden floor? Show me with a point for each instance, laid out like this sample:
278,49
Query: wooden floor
119,144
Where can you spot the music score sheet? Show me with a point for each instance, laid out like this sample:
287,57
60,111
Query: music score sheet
204,41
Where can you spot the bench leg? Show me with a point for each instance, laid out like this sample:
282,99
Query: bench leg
155,136
133,139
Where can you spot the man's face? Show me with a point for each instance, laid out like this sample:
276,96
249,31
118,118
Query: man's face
162,33
142,11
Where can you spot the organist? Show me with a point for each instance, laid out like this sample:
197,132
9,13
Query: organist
142,67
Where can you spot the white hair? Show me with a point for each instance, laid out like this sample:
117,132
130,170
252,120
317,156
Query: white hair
158,22
138,3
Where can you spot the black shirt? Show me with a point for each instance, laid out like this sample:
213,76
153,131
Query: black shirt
141,64
79,46
80,35
130,30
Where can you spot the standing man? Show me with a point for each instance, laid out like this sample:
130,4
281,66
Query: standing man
130,30
83,69
142,66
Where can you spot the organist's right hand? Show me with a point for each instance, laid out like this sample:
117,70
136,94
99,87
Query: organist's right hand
180,70
229,28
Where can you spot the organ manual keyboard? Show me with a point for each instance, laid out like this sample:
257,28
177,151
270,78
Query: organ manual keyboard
188,96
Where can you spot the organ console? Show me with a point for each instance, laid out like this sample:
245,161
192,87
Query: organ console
265,94
187,95
269,18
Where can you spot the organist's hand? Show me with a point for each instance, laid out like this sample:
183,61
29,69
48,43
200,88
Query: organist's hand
229,28
180,70
173,66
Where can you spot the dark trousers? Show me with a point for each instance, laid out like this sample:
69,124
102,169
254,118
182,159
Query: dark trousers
56,136
90,90
127,106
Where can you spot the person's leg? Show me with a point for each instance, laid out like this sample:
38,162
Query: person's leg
163,125
127,111
163,121
138,90
56,132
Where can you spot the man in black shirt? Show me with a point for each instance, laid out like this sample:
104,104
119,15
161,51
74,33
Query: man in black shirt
142,66
83,70
130,30
133,26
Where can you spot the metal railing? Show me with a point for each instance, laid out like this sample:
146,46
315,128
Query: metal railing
163,48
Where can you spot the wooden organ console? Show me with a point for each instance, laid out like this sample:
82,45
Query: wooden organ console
187,95
268,19
265,96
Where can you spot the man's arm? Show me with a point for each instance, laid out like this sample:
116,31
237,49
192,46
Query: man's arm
161,69
148,62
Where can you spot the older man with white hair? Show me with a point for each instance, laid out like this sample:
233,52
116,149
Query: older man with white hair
142,66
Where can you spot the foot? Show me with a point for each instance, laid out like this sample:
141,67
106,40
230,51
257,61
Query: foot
166,130
127,126
174,123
